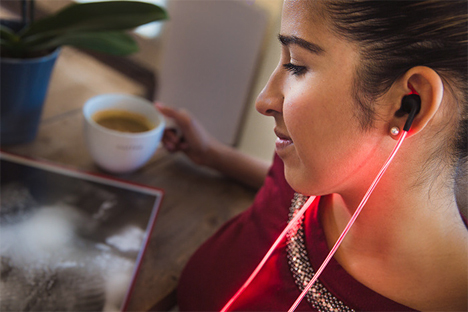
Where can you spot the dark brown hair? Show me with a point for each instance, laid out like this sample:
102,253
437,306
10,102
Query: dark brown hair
395,36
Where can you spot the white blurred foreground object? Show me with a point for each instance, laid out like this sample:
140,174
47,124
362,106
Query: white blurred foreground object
46,266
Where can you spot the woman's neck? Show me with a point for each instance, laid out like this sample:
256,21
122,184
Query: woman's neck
395,214
402,234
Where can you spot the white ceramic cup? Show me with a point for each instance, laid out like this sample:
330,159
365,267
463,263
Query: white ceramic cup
121,152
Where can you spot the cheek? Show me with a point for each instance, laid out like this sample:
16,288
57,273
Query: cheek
307,117
325,137
304,122
299,122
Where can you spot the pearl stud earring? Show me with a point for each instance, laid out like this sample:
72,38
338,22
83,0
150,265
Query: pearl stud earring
395,131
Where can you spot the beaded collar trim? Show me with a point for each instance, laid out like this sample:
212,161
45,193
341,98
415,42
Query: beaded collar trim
318,296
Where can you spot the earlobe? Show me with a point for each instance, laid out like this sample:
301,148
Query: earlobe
425,82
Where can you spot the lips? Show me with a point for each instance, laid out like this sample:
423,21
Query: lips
282,140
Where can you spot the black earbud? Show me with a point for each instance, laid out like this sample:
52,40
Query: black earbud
410,104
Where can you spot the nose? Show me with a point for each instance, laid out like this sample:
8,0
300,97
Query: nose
270,100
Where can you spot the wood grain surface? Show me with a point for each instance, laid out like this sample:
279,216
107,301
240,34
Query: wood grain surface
196,203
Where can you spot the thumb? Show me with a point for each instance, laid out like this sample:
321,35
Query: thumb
181,117
166,110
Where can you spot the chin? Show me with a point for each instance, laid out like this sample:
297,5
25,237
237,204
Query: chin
302,184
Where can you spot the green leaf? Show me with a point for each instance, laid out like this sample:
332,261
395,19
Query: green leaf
115,43
8,35
97,16
10,44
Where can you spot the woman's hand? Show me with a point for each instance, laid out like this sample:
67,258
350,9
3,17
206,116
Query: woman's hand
204,149
190,137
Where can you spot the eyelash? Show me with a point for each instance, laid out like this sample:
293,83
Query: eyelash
295,69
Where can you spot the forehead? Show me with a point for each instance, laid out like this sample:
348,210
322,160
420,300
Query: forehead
308,20
303,16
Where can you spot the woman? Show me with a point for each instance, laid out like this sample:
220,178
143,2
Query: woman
336,97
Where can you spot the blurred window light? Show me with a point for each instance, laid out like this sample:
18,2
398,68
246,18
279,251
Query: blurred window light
150,30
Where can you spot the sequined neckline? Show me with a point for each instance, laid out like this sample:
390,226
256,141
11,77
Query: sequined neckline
298,260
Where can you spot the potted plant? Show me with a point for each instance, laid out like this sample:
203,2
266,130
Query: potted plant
29,48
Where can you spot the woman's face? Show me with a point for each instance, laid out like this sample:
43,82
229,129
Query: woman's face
310,95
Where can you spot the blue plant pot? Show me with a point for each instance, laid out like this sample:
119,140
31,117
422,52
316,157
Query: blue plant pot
24,84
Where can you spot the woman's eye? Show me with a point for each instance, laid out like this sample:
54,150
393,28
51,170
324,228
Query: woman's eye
295,69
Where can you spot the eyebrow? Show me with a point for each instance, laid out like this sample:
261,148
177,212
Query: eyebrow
312,47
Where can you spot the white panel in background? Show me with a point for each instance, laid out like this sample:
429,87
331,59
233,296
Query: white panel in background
210,51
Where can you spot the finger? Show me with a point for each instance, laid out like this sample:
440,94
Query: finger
166,110
183,146
171,134
181,117
174,133
173,141
169,142
174,137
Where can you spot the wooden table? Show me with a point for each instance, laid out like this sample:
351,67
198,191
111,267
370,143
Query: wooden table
196,201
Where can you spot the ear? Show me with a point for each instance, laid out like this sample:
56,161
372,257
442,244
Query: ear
428,85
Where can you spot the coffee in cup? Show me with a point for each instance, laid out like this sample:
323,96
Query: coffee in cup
123,121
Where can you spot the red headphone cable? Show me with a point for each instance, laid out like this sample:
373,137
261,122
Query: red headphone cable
350,223
335,247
